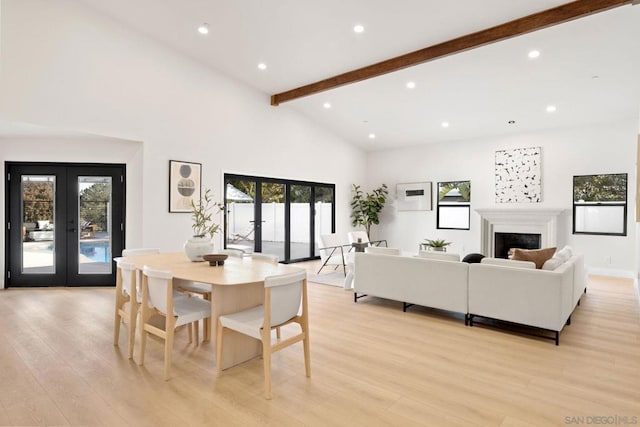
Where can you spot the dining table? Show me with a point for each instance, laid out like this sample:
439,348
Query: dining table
236,285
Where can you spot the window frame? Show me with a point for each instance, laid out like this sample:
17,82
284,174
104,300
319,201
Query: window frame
458,205
601,204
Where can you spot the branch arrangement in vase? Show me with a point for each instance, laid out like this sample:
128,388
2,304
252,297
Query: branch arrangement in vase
202,212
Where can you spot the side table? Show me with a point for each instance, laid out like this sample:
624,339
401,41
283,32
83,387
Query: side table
359,247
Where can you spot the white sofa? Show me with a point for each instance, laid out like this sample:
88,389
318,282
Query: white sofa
511,291
412,280
517,294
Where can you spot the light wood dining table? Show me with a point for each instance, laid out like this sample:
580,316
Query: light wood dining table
236,286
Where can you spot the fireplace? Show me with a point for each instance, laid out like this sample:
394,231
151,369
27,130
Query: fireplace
504,242
524,221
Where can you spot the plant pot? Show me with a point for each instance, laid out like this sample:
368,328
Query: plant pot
439,249
198,246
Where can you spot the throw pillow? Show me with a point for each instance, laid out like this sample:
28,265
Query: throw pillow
472,258
552,263
538,256
564,254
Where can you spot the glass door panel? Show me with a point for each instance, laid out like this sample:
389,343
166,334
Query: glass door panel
323,223
94,220
65,223
38,224
271,224
277,216
240,214
300,214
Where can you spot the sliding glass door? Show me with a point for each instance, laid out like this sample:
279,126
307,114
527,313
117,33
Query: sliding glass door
277,216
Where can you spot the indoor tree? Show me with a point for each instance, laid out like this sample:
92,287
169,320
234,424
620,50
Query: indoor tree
366,207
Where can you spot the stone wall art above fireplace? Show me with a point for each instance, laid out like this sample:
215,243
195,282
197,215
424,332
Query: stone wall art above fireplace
518,178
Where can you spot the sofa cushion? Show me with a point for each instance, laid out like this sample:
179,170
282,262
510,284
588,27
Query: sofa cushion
509,263
444,256
538,256
382,251
552,263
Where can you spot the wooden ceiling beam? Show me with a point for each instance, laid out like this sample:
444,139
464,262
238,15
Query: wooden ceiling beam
527,24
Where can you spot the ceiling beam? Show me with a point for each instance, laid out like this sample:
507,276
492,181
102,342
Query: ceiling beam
530,23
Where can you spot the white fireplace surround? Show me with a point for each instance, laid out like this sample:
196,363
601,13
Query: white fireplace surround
518,220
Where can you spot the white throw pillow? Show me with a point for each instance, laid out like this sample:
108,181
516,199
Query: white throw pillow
552,263
42,225
563,254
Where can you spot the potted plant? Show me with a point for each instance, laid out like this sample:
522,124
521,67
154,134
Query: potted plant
203,225
436,244
366,207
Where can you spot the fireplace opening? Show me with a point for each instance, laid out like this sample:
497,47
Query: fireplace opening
504,242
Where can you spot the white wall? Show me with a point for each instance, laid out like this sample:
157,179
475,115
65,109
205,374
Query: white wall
66,67
565,153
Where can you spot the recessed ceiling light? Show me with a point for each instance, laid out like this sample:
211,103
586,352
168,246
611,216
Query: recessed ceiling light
262,66
411,85
445,124
358,29
327,105
372,136
204,28
534,54
551,108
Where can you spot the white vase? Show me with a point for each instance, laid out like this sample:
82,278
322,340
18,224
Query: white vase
198,246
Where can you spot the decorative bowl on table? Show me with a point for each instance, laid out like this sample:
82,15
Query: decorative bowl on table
215,259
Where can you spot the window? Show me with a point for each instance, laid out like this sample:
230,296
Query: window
454,205
600,204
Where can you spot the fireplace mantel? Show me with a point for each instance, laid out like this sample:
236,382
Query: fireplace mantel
541,221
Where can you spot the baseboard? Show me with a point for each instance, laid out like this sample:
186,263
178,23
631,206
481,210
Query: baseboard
626,274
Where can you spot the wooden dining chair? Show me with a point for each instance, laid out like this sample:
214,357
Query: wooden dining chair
127,302
151,251
201,290
157,299
273,259
285,302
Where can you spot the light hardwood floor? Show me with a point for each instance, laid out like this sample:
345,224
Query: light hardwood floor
372,365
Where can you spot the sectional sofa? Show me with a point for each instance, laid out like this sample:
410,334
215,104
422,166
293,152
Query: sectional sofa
505,290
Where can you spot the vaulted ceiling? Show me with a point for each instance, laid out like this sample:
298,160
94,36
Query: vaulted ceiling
587,68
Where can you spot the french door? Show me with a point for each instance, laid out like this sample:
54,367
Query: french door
65,223
277,216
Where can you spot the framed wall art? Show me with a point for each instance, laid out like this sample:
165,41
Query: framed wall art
184,185
518,178
413,196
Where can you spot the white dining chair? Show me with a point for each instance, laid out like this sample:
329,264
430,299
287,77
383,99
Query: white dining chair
183,289
285,302
239,253
157,299
273,259
140,251
197,289
127,302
